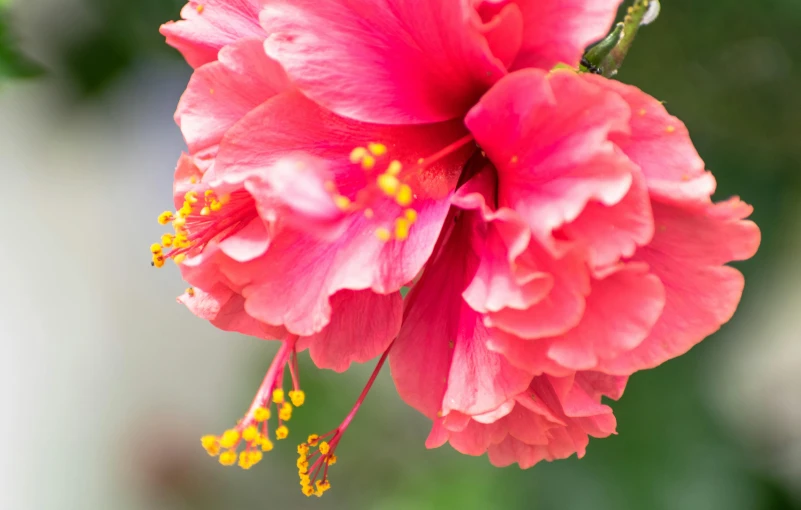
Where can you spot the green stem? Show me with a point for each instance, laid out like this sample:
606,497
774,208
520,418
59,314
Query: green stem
631,25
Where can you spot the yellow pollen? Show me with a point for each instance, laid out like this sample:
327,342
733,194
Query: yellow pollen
191,197
308,490
229,438
402,226
302,463
193,179
388,183
285,414
165,217
179,259
179,223
158,260
368,162
199,9
190,292
312,440
342,202
205,211
404,196
281,432
297,397
394,168
324,448
155,249
278,396
216,205
228,458
303,449
250,434
261,414
368,213
410,214
211,444
378,149
167,240
670,129
332,460
357,154
383,234
266,445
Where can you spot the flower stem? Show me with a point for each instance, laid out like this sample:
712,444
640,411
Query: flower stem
635,17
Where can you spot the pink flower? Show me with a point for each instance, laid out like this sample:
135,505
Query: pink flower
557,228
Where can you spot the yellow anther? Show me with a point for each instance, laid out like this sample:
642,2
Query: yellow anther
179,223
250,434
191,197
158,260
167,240
228,458
199,9
298,397
281,432
211,444
357,154
308,490
404,196
368,162
155,248
278,396
303,449
285,414
190,292
411,215
179,259
324,448
368,213
378,149
670,129
402,227
181,241
313,440
303,464
208,194
216,205
261,414
185,210
165,217
266,445
193,179
304,479
383,234
394,168
388,183
342,202
205,211
332,460
229,438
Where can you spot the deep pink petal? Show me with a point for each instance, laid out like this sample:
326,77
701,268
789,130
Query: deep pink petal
686,254
547,135
220,93
362,326
209,25
387,61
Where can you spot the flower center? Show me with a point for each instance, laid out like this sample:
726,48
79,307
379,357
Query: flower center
199,222
252,431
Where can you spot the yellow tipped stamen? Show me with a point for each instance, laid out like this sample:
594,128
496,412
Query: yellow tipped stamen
191,197
199,9
297,397
278,396
388,184
281,432
216,205
179,223
261,414
250,434
205,211
228,458
332,460
211,444
155,248
266,445
167,240
285,414
342,202
394,168
190,292
368,162
303,449
158,260
411,215
229,438
308,490
165,217
312,440
383,234
402,226
378,149
357,154
324,448
179,259
404,196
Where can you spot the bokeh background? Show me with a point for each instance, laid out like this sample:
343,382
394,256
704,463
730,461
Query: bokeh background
107,383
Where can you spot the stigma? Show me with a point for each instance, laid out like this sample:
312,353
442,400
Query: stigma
203,217
245,444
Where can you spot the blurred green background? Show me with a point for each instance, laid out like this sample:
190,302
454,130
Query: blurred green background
111,386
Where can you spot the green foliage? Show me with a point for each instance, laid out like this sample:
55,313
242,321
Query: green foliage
13,64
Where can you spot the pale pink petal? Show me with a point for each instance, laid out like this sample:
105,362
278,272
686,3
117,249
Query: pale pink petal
387,61
362,326
686,254
209,25
547,134
225,310
220,93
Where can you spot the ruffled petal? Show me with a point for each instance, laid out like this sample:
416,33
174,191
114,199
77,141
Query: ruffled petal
386,61
209,25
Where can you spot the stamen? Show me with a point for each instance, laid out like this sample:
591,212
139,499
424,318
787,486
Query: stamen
316,455
252,430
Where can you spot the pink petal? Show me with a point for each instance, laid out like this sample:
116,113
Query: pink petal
686,254
387,61
209,25
558,31
220,93
660,144
547,134
362,326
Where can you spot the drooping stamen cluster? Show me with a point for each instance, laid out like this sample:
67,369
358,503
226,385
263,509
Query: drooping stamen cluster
198,222
316,455
252,431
